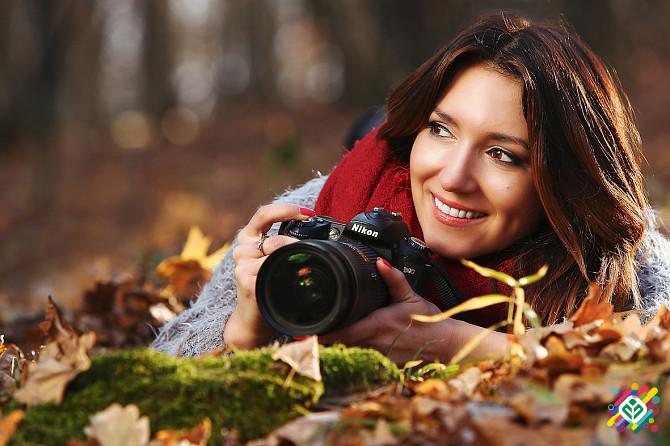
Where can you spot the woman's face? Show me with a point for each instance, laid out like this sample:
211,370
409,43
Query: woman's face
472,183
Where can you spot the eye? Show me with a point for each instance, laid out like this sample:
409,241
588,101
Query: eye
503,156
439,130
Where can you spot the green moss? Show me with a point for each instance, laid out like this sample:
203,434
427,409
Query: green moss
242,392
347,370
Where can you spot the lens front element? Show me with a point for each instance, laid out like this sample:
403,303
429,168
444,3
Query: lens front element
315,286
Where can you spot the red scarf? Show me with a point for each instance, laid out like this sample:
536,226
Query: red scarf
368,177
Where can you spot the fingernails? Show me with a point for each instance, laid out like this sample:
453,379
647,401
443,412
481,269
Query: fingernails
385,262
300,338
307,212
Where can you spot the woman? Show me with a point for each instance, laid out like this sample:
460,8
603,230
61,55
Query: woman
512,146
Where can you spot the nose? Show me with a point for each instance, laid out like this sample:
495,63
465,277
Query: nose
459,171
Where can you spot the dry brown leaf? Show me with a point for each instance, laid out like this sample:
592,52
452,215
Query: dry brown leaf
591,309
9,424
119,426
434,388
190,270
196,248
466,383
58,363
197,436
559,359
312,427
186,277
12,362
593,391
498,431
624,350
54,323
302,356
382,434
534,410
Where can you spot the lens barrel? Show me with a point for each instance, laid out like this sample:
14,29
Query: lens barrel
317,286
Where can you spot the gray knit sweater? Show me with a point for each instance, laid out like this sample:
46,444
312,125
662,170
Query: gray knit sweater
199,328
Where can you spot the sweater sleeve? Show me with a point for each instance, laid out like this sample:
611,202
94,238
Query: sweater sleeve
654,272
199,328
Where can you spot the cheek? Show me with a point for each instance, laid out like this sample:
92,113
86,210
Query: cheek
523,203
421,164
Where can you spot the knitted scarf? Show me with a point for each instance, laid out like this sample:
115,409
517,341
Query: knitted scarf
368,177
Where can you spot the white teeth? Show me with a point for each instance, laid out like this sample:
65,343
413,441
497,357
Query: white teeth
459,213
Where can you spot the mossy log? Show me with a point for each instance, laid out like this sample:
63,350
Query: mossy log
244,392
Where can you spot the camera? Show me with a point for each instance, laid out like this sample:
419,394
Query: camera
329,278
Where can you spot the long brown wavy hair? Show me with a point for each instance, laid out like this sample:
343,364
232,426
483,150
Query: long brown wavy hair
585,154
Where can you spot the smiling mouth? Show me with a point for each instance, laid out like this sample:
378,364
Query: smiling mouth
457,213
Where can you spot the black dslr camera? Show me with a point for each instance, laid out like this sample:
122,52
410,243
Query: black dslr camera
329,279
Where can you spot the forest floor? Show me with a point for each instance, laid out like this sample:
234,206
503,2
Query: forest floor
89,210
89,223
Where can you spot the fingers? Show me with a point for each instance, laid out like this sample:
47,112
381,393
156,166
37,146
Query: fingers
245,251
245,277
359,333
370,327
266,216
380,328
398,286
252,241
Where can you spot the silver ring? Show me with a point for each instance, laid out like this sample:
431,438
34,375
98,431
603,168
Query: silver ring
261,239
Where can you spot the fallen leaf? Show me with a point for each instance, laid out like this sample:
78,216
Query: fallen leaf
191,269
591,308
302,356
54,324
466,382
63,357
9,424
186,277
196,248
197,436
382,434
312,429
119,426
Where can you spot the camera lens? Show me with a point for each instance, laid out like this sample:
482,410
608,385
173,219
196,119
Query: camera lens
316,286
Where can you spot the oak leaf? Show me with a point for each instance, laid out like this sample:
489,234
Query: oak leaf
119,426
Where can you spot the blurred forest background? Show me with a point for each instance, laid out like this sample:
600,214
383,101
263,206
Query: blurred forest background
124,122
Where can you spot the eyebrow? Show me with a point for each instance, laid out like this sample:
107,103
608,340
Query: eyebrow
495,136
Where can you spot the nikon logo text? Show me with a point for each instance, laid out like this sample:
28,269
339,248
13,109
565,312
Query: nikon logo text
363,230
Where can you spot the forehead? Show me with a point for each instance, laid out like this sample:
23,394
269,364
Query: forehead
485,96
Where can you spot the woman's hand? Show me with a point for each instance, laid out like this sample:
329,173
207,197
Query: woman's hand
391,330
246,328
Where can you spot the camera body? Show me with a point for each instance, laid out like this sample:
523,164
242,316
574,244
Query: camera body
329,278
386,233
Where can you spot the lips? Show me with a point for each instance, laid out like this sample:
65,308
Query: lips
457,213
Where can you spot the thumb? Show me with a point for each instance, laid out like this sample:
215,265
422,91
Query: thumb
398,286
